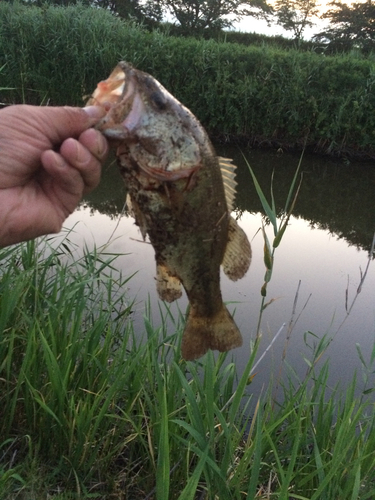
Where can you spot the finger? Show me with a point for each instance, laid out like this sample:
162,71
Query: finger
95,142
79,157
59,123
62,175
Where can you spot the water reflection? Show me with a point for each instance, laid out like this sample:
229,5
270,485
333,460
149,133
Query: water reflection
324,249
335,197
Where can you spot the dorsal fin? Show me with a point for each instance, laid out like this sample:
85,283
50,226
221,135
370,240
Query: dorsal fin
228,172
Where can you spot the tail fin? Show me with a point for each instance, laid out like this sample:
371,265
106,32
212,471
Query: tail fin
219,332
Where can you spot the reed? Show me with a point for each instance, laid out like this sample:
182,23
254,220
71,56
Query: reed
90,409
258,94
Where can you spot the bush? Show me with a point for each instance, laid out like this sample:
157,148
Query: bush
258,93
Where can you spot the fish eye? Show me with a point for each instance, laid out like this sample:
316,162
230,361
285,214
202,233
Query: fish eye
158,99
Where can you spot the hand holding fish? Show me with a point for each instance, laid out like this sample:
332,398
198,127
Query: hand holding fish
50,157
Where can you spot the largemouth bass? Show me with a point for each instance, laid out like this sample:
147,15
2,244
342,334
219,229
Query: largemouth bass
181,195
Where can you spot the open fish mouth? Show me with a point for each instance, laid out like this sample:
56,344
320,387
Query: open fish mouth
109,91
119,97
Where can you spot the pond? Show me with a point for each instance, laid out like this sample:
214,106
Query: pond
318,265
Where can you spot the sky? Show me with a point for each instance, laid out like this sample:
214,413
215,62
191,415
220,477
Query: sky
250,24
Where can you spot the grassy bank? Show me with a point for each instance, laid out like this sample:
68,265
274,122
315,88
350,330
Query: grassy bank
262,95
87,410
91,409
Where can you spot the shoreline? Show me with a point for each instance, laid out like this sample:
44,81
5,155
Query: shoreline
321,148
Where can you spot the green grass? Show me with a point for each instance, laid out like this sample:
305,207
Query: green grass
88,409
259,94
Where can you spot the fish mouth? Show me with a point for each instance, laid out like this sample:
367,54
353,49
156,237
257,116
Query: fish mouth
119,97
110,91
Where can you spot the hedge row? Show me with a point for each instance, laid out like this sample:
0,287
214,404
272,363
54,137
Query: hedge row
56,55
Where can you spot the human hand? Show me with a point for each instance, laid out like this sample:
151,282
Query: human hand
49,158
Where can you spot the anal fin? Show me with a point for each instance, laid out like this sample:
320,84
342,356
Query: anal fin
237,256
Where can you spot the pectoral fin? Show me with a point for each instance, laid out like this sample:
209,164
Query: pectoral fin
167,286
237,255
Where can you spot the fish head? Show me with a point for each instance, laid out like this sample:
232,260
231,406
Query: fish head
148,124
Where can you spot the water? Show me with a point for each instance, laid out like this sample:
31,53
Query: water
318,265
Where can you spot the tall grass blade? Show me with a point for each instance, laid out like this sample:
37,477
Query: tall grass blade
266,207
256,452
189,492
163,463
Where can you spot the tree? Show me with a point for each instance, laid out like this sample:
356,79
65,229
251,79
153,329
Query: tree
44,3
148,12
200,15
351,25
295,15
143,11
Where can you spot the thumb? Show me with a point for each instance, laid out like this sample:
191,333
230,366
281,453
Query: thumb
64,122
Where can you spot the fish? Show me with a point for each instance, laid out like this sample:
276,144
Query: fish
181,195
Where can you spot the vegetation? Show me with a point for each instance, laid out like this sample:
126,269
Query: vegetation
204,15
257,94
295,15
90,409
351,25
194,16
148,12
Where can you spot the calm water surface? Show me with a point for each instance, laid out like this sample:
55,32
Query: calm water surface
323,254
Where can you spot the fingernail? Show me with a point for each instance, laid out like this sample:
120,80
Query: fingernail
95,112
101,145
58,160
